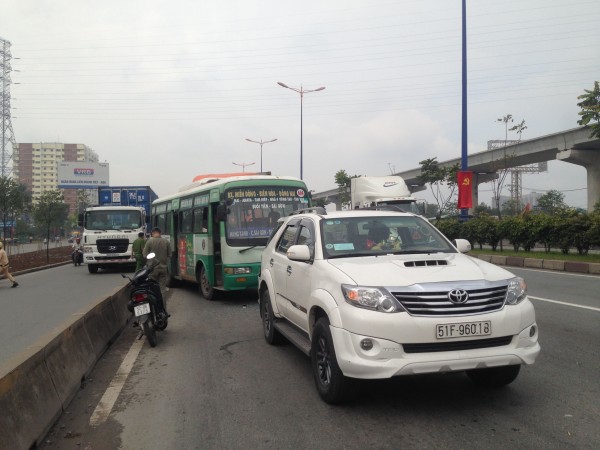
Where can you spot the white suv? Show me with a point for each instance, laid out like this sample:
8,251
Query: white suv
376,294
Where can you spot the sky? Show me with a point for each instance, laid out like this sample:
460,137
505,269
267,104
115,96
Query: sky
167,90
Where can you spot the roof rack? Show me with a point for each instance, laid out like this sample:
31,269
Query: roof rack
315,209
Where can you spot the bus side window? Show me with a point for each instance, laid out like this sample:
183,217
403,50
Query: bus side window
198,221
186,221
205,219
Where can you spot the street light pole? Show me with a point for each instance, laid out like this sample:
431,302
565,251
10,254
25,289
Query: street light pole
261,142
243,165
301,91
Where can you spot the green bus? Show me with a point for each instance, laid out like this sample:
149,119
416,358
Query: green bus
218,227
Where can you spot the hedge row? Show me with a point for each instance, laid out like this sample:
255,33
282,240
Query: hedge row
580,231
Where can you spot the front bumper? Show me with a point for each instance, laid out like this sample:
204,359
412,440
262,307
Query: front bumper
388,359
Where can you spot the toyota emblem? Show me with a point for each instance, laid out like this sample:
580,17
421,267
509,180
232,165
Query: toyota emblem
458,296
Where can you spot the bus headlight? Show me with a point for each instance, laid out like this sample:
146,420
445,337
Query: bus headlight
238,270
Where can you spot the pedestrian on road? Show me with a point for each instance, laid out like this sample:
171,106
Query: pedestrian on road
162,248
138,251
4,266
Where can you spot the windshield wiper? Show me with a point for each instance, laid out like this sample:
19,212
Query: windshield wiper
353,255
246,249
417,252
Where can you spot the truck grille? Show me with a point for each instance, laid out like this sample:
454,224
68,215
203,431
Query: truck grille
112,245
437,303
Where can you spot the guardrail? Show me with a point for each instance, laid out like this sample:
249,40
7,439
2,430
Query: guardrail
37,385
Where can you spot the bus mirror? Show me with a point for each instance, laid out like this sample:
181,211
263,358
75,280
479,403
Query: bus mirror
229,202
222,211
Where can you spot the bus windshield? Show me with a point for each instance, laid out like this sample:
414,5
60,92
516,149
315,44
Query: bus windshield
253,211
113,220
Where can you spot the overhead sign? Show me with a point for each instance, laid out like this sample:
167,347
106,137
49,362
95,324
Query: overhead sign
82,175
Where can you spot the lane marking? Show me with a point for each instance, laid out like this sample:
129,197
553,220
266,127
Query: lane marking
564,303
555,272
106,403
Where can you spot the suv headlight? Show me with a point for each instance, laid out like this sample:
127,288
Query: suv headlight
374,298
517,291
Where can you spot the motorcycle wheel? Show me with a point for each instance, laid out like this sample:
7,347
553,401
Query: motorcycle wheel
150,332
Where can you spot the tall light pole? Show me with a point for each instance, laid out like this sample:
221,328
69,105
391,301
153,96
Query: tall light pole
243,165
300,91
261,142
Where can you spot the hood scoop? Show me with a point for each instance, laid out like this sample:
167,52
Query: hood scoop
426,263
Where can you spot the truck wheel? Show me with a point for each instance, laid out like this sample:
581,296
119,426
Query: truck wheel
494,377
332,385
92,268
272,336
207,291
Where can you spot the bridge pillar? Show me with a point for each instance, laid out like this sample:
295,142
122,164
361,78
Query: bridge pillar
479,178
590,159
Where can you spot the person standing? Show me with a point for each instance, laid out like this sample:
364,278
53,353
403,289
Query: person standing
138,251
162,248
4,266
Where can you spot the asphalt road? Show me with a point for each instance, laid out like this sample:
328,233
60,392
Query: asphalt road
44,300
212,382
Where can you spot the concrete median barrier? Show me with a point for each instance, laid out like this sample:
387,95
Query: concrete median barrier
37,385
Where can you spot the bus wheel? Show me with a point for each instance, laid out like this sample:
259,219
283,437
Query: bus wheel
206,289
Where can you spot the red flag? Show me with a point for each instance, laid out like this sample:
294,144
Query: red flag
465,189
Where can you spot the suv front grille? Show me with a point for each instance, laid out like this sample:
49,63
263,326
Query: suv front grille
437,303
112,245
456,345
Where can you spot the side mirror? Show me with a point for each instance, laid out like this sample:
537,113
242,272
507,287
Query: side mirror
462,245
222,211
299,253
80,219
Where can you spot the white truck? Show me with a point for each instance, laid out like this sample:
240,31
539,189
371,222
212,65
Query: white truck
108,235
367,192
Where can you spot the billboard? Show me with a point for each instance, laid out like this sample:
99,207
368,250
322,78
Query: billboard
82,175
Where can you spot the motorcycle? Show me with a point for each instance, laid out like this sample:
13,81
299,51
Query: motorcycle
146,302
77,257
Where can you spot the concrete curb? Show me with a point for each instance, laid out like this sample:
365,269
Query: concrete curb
37,384
540,263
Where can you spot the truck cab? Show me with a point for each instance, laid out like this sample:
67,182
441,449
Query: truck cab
108,235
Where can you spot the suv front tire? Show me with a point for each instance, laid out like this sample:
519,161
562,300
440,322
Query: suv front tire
332,385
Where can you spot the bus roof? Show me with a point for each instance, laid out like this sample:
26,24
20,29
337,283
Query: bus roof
207,184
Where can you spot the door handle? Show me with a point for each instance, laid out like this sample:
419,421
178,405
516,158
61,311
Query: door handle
271,262
289,270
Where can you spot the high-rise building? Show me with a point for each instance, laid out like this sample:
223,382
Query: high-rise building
35,166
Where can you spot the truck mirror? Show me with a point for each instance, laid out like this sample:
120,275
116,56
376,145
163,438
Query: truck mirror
80,219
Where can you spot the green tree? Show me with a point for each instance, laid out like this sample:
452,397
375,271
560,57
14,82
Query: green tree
590,109
51,211
443,183
552,202
342,179
14,199
501,165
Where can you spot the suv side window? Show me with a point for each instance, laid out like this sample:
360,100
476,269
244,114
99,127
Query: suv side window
287,238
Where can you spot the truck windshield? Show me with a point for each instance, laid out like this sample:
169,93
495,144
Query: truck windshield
253,212
113,220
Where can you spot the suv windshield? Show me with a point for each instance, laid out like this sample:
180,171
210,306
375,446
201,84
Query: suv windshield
378,235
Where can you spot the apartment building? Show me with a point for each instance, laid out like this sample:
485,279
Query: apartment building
35,165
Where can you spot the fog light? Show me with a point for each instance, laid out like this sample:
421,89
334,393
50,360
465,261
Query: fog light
366,344
532,331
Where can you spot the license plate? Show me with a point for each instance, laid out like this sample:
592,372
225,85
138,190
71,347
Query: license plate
464,329
142,309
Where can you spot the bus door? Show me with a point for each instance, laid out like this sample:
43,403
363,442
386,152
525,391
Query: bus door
216,235
174,262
